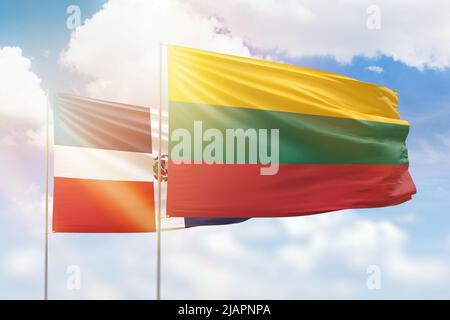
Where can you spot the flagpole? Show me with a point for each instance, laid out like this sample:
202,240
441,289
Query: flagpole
158,216
46,198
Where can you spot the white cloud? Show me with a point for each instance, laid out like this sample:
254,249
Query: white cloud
359,242
22,263
21,95
327,254
31,201
338,28
119,46
37,137
8,140
376,69
327,259
29,206
23,102
431,271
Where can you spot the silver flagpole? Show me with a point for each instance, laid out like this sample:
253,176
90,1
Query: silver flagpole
46,199
158,215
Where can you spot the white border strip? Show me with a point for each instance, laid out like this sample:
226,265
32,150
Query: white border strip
101,164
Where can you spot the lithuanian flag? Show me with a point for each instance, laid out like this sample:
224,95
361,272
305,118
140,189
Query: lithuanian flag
313,141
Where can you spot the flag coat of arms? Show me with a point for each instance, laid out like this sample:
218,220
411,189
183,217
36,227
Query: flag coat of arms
339,142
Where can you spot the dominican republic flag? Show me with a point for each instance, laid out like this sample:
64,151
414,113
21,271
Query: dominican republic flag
103,169
103,178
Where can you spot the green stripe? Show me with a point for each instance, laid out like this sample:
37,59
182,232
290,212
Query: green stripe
304,139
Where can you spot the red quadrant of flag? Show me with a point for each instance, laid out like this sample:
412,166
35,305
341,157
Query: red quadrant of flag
103,206
297,189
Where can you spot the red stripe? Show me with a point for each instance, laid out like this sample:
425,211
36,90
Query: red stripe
82,205
231,190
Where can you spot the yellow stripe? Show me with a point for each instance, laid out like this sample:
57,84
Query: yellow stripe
198,76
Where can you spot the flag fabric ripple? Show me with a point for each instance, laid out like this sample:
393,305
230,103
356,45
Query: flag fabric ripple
341,141
103,177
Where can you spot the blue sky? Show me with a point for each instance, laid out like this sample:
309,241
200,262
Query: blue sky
37,27
199,261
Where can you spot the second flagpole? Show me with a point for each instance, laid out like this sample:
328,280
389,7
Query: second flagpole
47,115
158,215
